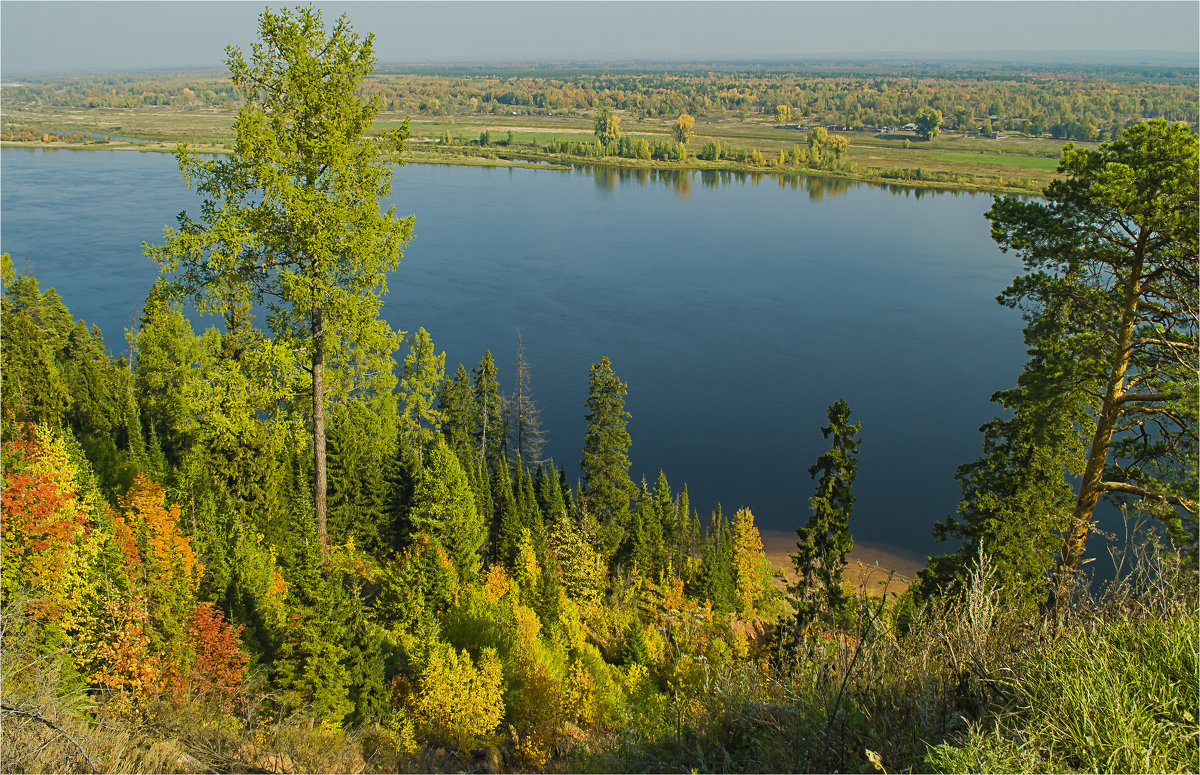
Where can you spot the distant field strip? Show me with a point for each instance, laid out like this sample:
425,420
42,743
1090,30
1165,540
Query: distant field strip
1029,162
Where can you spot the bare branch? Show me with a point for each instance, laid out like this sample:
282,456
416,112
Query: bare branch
35,717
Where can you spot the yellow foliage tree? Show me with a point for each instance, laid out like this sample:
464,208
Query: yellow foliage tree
527,573
457,702
118,658
580,566
681,130
41,521
495,583
162,548
748,562
838,144
579,694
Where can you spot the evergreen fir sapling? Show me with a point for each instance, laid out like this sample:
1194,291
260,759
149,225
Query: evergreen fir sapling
455,405
525,418
825,539
445,506
715,579
606,488
505,527
488,413
420,384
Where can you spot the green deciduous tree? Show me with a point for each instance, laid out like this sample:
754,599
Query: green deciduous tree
291,218
929,123
167,372
964,117
608,126
1115,244
1037,125
825,539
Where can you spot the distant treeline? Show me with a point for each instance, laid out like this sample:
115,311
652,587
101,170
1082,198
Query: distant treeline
1066,102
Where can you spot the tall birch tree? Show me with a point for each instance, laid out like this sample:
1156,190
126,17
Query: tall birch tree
291,218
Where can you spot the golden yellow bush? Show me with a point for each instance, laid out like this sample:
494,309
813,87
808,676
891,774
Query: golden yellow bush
579,695
456,702
655,645
495,583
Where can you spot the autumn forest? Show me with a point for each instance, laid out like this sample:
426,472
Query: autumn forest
302,541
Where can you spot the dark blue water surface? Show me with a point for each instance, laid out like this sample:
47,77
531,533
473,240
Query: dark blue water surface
736,310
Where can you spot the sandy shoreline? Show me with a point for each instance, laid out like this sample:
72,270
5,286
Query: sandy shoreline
867,565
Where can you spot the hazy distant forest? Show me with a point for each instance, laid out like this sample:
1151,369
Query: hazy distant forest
300,541
962,125
1066,102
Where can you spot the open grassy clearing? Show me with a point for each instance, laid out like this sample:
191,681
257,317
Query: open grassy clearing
1028,162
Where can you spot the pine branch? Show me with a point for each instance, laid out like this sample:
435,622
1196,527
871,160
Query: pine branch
1148,397
1142,492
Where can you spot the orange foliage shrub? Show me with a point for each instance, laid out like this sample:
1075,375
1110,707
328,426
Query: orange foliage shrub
165,551
119,659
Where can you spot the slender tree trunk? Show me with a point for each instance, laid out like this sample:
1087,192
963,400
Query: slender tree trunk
318,396
1110,411
483,434
520,413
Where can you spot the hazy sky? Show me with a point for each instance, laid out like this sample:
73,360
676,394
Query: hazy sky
44,36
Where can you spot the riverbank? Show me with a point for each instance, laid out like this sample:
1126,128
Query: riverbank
868,566
1010,165
525,159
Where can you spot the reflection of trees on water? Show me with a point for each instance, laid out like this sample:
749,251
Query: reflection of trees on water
817,187
608,178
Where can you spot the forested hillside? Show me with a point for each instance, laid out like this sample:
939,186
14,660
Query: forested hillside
298,541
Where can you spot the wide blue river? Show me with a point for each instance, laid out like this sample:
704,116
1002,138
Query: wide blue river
736,309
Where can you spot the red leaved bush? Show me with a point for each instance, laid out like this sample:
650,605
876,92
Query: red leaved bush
220,665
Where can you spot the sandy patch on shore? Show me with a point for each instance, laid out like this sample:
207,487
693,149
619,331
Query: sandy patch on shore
867,565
